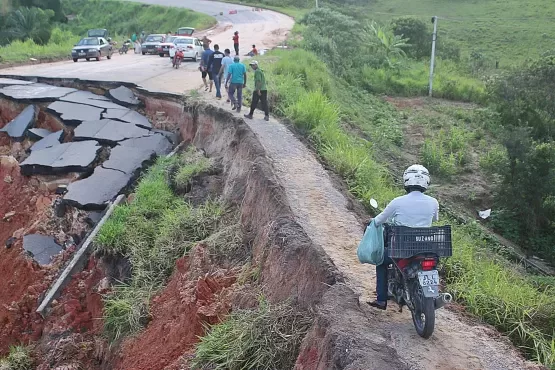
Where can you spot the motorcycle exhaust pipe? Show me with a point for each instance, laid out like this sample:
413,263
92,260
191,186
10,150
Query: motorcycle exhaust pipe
442,300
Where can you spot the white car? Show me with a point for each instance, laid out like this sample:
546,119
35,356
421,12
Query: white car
191,47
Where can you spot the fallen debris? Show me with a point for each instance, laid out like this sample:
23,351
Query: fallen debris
88,98
35,92
63,158
107,131
38,133
49,141
158,143
18,127
129,116
41,248
124,96
72,114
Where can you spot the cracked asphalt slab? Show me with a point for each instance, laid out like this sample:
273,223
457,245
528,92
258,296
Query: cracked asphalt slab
266,29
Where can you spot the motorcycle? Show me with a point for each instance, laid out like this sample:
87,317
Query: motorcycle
413,279
125,47
177,58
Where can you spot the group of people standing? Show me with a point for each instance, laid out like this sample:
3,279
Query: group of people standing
221,67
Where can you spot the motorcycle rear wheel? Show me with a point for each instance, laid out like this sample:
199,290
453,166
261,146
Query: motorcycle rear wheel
424,314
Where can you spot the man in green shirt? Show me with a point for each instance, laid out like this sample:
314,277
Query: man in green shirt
260,92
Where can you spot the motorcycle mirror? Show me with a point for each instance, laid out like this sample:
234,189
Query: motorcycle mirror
374,203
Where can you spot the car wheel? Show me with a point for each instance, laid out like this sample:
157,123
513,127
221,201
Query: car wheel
144,53
75,59
196,57
161,55
87,59
98,57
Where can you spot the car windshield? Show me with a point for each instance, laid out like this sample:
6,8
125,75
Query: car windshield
96,33
88,41
171,38
154,39
184,41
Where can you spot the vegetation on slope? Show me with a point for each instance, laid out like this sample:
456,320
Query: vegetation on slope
348,126
265,338
152,232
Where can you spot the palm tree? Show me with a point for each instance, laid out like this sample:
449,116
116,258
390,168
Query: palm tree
30,23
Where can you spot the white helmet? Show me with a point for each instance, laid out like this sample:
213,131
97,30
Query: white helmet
416,176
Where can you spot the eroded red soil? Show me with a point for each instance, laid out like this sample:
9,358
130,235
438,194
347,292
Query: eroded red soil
197,294
22,280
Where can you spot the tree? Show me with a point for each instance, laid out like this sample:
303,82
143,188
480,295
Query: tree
30,23
385,42
416,32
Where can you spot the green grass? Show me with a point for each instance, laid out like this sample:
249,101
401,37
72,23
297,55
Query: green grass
265,338
505,30
193,164
19,358
21,51
490,288
503,296
152,232
446,152
412,79
126,17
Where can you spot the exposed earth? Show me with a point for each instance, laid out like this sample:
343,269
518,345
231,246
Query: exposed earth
288,181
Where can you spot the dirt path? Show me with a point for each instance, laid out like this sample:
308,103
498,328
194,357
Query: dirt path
322,210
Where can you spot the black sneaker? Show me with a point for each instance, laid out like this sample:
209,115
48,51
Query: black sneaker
249,116
379,305
266,118
233,107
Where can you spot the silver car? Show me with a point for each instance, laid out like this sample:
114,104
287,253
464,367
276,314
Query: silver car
91,47
151,43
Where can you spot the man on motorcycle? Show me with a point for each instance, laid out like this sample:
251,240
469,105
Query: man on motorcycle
415,209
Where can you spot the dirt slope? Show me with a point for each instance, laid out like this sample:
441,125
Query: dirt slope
323,212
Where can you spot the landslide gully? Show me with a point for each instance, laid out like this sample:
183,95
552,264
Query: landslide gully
291,265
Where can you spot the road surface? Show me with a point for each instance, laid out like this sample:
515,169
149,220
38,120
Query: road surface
264,28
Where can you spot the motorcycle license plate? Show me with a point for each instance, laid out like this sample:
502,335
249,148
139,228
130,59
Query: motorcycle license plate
428,278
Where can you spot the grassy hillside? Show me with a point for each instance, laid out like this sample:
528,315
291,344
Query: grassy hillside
506,30
124,17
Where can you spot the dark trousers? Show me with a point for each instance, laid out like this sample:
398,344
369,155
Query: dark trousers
236,46
381,278
263,97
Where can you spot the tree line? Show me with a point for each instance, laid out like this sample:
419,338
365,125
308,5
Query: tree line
29,19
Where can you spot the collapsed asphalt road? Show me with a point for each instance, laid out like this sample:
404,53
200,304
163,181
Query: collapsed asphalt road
265,28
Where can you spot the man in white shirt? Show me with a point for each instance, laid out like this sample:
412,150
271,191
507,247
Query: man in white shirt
415,209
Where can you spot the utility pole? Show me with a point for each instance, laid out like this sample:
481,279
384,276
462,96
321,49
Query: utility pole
434,38
316,4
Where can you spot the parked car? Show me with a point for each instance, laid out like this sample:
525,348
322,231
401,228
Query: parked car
164,48
98,33
191,47
185,31
150,45
91,47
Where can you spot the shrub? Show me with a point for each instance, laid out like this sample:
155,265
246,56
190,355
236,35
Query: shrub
265,338
18,358
417,32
